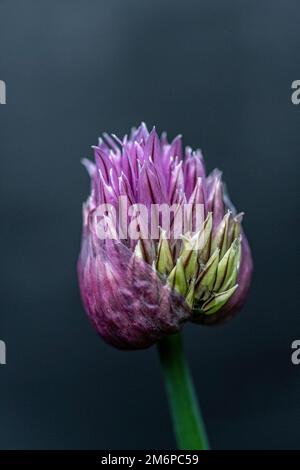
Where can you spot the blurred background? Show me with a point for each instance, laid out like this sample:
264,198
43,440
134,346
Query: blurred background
220,73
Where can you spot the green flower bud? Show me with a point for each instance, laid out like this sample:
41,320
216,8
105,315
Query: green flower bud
207,266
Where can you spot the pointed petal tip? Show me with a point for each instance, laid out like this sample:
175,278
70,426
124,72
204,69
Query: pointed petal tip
89,166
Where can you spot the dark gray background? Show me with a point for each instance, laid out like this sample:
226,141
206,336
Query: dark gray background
220,72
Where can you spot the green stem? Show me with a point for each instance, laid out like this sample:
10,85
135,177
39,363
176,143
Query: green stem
187,421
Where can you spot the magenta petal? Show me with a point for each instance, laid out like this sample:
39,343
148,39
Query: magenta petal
176,183
152,147
193,169
150,190
215,200
175,148
141,134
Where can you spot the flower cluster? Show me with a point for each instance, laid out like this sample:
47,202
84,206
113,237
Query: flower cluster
138,290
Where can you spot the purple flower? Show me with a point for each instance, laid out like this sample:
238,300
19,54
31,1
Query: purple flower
137,289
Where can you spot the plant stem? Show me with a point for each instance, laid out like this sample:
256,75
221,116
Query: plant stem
187,420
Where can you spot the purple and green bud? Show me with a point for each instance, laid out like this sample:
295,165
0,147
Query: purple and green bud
137,289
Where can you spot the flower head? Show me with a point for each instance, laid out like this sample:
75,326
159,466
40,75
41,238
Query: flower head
162,243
